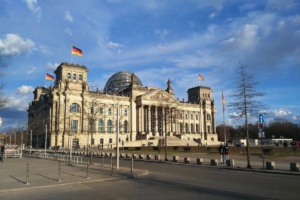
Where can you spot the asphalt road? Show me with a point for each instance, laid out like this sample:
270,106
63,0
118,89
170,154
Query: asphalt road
154,180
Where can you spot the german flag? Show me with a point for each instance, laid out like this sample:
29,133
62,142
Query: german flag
76,51
49,77
200,77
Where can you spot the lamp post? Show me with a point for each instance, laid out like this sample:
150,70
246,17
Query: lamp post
117,137
30,140
71,144
22,143
118,132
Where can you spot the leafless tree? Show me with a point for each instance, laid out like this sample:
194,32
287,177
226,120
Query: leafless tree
244,103
3,98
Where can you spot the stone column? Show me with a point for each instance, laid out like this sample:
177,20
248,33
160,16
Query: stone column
156,122
149,119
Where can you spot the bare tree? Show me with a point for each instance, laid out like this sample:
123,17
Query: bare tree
244,103
3,99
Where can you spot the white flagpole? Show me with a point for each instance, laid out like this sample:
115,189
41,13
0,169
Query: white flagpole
223,103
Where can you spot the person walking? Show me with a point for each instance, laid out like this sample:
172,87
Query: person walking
221,151
2,152
227,151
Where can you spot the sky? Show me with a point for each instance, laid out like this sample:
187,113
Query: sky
157,40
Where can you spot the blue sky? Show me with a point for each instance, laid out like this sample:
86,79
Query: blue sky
157,40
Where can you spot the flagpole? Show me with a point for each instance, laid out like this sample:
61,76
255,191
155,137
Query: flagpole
224,118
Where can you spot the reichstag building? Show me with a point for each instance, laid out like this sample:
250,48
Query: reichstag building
70,114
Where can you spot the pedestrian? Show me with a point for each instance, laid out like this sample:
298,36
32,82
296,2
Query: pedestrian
2,152
221,151
226,151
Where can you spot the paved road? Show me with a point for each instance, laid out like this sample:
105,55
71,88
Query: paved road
149,180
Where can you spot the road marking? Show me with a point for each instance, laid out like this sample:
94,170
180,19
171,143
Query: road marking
61,184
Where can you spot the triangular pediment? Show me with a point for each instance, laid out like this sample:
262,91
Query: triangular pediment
158,95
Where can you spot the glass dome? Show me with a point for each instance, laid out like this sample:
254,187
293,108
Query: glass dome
119,82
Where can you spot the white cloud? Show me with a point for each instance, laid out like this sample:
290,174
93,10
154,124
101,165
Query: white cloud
113,45
33,69
13,45
52,66
212,15
162,33
246,38
34,8
18,103
68,31
44,49
246,7
68,16
24,90
281,112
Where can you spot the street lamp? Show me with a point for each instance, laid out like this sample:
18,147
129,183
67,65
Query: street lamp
71,144
118,132
30,140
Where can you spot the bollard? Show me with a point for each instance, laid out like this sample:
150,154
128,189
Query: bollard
27,174
131,164
294,167
175,158
187,160
59,171
270,165
214,162
87,169
200,161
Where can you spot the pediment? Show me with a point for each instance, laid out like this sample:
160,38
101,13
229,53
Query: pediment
158,95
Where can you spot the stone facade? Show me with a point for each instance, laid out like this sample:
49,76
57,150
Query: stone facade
69,111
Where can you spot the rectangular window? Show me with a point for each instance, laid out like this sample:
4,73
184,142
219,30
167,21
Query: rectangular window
186,116
125,112
74,126
191,117
109,111
101,111
196,117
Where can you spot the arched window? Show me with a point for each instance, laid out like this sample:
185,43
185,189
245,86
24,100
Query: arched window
74,76
80,77
109,123
69,76
100,126
125,126
110,140
186,128
75,108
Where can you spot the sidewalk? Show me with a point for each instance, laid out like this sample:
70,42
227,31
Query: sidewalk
282,164
45,173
